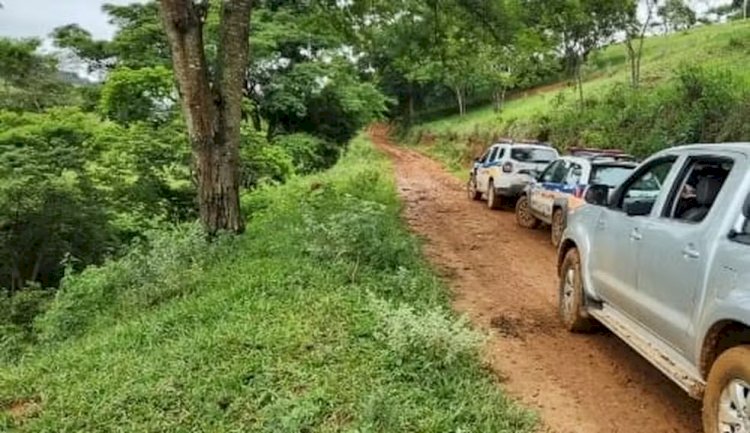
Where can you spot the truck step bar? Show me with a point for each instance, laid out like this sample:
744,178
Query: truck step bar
663,357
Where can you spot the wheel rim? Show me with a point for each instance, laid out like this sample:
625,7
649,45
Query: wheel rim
568,294
734,408
523,212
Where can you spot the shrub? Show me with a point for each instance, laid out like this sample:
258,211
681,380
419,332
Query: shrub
427,340
309,153
162,266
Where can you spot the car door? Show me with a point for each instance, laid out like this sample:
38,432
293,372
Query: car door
483,171
544,192
675,248
617,238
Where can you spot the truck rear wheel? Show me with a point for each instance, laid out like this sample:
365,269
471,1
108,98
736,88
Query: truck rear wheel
726,402
524,217
471,187
571,297
493,200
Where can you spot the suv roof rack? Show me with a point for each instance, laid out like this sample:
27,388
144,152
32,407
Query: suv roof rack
512,141
594,153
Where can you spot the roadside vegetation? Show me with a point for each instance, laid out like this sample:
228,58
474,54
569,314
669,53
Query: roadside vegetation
321,317
694,89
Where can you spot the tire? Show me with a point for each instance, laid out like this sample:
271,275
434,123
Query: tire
558,227
493,200
571,297
471,187
524,217
731,371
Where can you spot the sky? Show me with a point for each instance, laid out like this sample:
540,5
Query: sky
37,18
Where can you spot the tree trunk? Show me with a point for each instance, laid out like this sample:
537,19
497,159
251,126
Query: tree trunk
579,81
212,107
744,9
496,100
460,100
411,104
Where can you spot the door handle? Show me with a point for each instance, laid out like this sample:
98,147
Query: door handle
689,252
636,235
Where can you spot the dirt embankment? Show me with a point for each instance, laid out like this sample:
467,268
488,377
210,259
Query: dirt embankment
504,279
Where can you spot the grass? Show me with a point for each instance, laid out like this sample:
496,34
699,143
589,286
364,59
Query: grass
323,317
723,46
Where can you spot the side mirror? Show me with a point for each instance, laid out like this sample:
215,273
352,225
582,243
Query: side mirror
638,207
597,195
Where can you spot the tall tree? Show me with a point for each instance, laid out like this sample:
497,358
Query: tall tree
635,35
677,15
583,26
212,101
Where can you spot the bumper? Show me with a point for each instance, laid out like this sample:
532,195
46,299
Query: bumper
513,190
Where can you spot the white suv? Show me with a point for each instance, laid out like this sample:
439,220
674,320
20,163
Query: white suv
504,170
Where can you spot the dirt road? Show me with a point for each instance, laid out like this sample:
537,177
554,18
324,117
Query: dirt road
504,278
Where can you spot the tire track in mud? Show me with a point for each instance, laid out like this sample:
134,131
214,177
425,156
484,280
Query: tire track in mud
504,278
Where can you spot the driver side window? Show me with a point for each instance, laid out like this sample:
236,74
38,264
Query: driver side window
555,172
643,190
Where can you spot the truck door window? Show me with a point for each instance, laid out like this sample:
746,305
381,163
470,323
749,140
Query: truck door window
697,188
646,186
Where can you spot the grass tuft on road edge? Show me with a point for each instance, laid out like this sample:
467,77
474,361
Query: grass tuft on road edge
323,317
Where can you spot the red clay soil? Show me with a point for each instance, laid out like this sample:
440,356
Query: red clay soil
504,278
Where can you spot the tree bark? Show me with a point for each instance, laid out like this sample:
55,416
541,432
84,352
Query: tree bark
212,104
460,100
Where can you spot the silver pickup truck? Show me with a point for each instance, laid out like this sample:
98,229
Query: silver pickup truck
664,263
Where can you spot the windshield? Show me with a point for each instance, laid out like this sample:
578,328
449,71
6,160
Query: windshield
611,176
533,154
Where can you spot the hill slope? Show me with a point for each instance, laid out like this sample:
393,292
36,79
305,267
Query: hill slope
725,47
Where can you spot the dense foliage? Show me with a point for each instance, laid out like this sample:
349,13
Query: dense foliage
277,330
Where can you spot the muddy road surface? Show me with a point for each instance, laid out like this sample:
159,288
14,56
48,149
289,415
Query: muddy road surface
504,279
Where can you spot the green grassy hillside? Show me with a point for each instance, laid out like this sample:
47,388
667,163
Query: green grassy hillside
725,47
323,317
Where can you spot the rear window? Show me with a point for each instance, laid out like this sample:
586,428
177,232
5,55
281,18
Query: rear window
533,154
609,175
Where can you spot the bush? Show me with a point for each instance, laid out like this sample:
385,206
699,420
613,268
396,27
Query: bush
697,105
309,153
427,340
162,266
17,314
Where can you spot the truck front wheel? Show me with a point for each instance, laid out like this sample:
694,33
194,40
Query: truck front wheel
571,297
726,402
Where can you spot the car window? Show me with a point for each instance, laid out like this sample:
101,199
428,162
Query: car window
609,175
697,188
501,154
550,171
647,185
555,172
533,154
484,156
493,154
574,173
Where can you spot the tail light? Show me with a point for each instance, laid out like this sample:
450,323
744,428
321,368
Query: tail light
508,167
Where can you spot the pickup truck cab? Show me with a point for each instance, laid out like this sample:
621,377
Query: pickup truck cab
664,263
505,168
